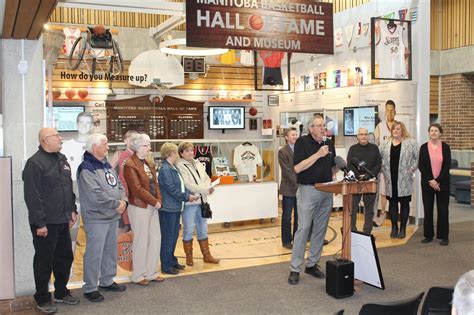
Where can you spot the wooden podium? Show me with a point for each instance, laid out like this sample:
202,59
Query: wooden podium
347,189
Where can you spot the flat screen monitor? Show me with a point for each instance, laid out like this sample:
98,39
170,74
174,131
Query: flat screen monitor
65,117
359,117
226,117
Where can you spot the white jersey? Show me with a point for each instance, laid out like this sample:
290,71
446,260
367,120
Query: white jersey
391,53
71,33
246,160
246,57
74,151
382,132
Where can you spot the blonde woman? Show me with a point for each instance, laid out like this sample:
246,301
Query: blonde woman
198,182
399,163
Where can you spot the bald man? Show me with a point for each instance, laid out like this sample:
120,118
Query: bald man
51,211
369,153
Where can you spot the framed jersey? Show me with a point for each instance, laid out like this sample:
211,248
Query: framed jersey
271,70
391,53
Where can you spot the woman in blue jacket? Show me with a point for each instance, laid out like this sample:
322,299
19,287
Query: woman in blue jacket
174,195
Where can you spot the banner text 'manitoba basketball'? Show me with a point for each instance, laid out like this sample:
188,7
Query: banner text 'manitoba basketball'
302,26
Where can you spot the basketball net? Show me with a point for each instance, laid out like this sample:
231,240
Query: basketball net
161,88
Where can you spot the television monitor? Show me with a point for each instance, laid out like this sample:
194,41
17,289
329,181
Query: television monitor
226,117
65,117
359,117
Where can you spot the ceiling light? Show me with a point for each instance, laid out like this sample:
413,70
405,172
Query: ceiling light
166,49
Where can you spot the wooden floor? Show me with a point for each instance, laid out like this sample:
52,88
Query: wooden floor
246,244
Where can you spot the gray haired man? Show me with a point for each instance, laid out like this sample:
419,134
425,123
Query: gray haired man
101,195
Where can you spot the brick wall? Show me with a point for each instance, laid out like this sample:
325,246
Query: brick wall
457,111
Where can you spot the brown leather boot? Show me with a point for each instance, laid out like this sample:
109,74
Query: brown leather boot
206,253
188,249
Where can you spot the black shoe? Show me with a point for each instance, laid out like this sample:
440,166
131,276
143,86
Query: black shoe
288,246
444,243
314,271
179,267
67,299
172,271
94,296
394,232
325,242
47,308
402,233
426,240
293,278
114,287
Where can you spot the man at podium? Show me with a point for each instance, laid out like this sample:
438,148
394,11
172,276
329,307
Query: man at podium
313,162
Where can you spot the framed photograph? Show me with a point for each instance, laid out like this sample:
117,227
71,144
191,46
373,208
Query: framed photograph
391,55
273,100
271,70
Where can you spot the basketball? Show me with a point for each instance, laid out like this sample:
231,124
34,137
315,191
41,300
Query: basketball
124,248
56,93
82,93
256,22
253,111
70,93
99,30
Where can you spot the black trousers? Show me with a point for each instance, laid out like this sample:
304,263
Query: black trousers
369,200
53,253
404,210
442,202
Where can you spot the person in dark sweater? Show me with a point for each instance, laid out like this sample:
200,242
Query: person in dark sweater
51,211
369,153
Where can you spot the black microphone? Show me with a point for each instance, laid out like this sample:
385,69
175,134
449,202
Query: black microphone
341,164
362,165
325,142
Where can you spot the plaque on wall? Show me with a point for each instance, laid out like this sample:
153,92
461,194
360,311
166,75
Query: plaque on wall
167,118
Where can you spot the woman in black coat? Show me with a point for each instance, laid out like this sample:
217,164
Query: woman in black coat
434,164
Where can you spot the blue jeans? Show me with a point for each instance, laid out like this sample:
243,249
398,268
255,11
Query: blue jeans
288,203
169,227
191,217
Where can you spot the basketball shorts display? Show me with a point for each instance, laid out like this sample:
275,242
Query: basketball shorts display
272,76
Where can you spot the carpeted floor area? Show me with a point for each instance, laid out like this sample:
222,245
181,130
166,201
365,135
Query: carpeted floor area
407,271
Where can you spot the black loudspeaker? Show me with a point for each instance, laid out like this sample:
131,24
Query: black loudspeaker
340,278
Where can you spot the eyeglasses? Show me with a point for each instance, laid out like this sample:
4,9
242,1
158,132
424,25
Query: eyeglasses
318,126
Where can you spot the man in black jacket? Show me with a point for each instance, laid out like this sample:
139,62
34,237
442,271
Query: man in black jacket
368,153
51,211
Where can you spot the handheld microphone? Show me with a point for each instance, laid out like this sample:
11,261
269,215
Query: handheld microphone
362,165
325,141
349,175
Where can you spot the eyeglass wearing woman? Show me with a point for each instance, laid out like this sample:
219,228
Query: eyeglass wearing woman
434,165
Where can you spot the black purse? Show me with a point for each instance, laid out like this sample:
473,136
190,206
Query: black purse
206,211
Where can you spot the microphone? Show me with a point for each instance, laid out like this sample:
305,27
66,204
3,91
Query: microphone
349,175
325,142
362,165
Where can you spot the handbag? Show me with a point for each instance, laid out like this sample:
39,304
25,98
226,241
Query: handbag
206,211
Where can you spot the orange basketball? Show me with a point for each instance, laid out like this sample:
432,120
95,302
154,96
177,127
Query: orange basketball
70,93
82,93
256,22
253,111
124,251
99,30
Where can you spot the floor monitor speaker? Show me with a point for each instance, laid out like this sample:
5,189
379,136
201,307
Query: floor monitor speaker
340,278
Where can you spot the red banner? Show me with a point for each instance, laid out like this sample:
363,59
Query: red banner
300,26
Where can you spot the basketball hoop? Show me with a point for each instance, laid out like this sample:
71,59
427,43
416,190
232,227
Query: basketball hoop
161,88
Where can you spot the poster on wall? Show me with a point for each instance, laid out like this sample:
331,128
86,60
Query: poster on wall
391,49
301,26
272,70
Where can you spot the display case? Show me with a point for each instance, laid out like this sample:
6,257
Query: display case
247,168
